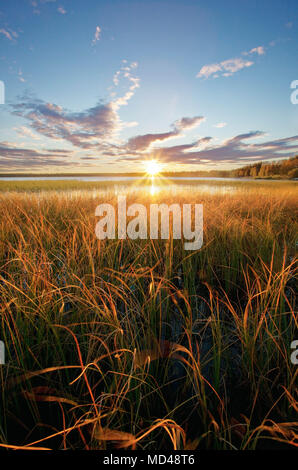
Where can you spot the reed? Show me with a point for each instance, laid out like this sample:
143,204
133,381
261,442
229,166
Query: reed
140,344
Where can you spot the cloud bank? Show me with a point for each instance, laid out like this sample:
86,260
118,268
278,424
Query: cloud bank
93,134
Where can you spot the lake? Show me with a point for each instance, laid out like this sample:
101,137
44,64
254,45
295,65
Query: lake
112,178
74,185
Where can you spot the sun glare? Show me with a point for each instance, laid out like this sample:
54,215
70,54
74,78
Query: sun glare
153,167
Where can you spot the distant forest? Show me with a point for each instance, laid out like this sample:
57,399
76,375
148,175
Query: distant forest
285,169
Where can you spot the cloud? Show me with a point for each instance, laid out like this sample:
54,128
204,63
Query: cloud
189,123
143,142
94,127
225,68
260,50
98,127
61,10
24,131
96,35
12,156
85,129
123,100
228,67
239,150
208,70
10,34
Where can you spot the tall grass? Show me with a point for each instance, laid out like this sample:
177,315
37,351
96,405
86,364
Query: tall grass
140,344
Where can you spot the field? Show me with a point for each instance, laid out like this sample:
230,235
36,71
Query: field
140,344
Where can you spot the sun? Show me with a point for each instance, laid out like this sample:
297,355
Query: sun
153,167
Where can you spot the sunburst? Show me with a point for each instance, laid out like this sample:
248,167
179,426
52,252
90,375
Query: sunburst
153,167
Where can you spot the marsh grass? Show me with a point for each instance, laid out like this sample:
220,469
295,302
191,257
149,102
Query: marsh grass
37,186
140,344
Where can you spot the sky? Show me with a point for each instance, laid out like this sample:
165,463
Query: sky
104,86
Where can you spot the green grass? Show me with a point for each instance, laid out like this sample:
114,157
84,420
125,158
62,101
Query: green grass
142,344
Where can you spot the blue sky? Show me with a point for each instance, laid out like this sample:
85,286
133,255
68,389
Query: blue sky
104,85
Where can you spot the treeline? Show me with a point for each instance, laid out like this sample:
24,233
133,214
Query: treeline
285,168
280,170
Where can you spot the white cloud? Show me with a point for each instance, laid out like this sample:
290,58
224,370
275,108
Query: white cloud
225,68
233,65
208,70
228,67
96,35
260,50
124,72
26,132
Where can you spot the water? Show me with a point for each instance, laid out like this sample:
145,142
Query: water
149,185
111,178
68,178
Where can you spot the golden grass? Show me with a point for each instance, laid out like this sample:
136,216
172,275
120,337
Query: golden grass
140,344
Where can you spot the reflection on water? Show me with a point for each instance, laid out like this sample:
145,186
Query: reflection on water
154,188
151,186
157,184
113,178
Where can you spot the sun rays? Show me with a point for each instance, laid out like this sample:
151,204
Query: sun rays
153,167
